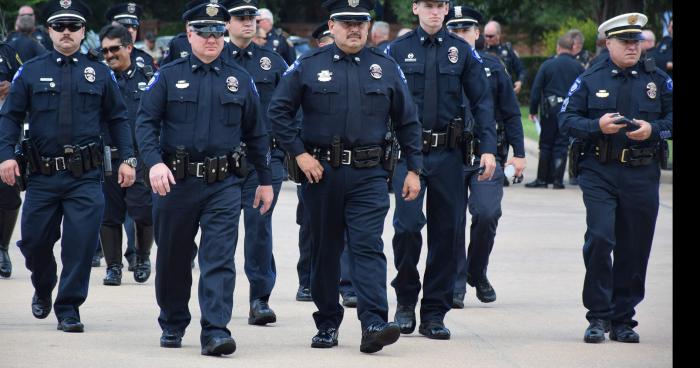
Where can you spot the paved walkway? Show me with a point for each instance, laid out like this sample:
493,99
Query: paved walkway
538,320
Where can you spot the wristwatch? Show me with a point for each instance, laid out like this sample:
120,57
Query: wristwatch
131,161
416,171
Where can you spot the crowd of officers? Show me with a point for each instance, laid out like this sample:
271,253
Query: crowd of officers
213,132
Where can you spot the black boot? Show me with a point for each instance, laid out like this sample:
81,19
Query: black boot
111,237
8,218
144,242
542,172
114,275
558,173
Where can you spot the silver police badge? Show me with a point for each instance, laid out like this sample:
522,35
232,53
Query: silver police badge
453,55
131,8
232,84
212,10
353,3
65,4
266,63
375,71
90,74
651,90
458,12
140,62
325,76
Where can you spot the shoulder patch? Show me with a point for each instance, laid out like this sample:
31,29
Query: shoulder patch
476,55
564,105
291,68
403,76
18,73
575,87
153,81
114,77
255,89
669,84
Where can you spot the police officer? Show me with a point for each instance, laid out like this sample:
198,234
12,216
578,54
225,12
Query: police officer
581,55
484,201
179,46
10,200
492,36
266,68
66,96
664,51
348,93
619,173
196,111
22,40
128,15
117,46
37,32
546,97
440,68
276,38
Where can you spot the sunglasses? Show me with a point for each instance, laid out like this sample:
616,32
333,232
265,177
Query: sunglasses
60,27
113,49
489,36
207,34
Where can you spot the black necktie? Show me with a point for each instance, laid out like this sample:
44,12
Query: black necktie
430,96
65,109
353,122
624,102
201,135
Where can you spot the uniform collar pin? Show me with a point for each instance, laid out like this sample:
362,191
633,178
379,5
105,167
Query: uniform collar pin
357,59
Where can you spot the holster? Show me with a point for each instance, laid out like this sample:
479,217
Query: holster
211,170
31,154
468,149
336,157
239,162
181,162
501,141
454,132
575,155
293,169
224,167
391,153
426,138
664,154
75,160
21,180
603,149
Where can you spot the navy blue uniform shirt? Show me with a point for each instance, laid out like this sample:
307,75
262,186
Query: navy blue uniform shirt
132,83
513,64
10,61
279,44
36,90
178,47
27,47
142,58
596,93
265,66
168,115
318,82
460,69
554,78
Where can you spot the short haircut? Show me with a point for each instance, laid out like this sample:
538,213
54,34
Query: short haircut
577,35
381,28
116,31
566,42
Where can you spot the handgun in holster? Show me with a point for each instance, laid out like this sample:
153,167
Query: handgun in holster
95,154
391,153
468,143
181,162
86,158
454,132
603,149
75,160
240,162
664,154
21,180
575,156
31,154
293,169
502,147
336,152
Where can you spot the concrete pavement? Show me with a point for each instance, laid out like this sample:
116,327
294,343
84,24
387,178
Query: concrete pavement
538,320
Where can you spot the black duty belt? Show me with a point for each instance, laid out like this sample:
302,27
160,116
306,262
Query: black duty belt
212,169
631,156
554,100
76,159
433,140
358,157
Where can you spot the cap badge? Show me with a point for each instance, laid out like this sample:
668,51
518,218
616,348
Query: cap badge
453,55
325,76
651,90
632,19
232,84
90,74
131,8
375,71
212,10
353,3
266,63
65,4
458,12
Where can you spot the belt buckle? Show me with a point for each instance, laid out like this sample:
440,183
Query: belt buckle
434,139
346,159
623,157
62,165
200,170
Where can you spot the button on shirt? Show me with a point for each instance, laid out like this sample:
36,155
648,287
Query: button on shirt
168,115
460,70
36,91
318,83
132,83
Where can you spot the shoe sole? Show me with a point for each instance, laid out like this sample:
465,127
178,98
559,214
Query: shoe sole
431,336
456,305
261,321
171,345
304,299
350,304
593,340
141,280
386,337
631,341
111,283
227,348
485,299
75,329
319,345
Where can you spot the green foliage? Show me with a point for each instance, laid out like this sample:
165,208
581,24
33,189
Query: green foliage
403,9
588,27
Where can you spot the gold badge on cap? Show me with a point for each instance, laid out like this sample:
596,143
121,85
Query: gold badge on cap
212,10
353,3
602,93
266,63
458,12
453,55
651,90
65,4
131,8
375,71
632,19
232,84
90,74
325,76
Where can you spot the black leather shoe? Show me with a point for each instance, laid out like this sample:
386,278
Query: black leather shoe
405,317
218,346
349,300
260,313
434,330
458,300
484,291
96,260
595,333
114,275
624,333
378,335
131,260
303,294
326,338
142,269
171,339
70,324
5,264
41,307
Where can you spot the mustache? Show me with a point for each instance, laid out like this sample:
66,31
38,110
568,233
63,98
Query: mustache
354,35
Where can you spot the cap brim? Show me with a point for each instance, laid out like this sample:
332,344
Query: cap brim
629,36
460,25
352,18
245,13
209,27
128,21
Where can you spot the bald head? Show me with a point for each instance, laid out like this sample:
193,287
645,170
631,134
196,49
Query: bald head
265,20
492,33
380,32
649,40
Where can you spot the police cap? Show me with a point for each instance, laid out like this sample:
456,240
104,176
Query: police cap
242,8
321,31
207,17
462,16
125,13
66,10
625,27
350,10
